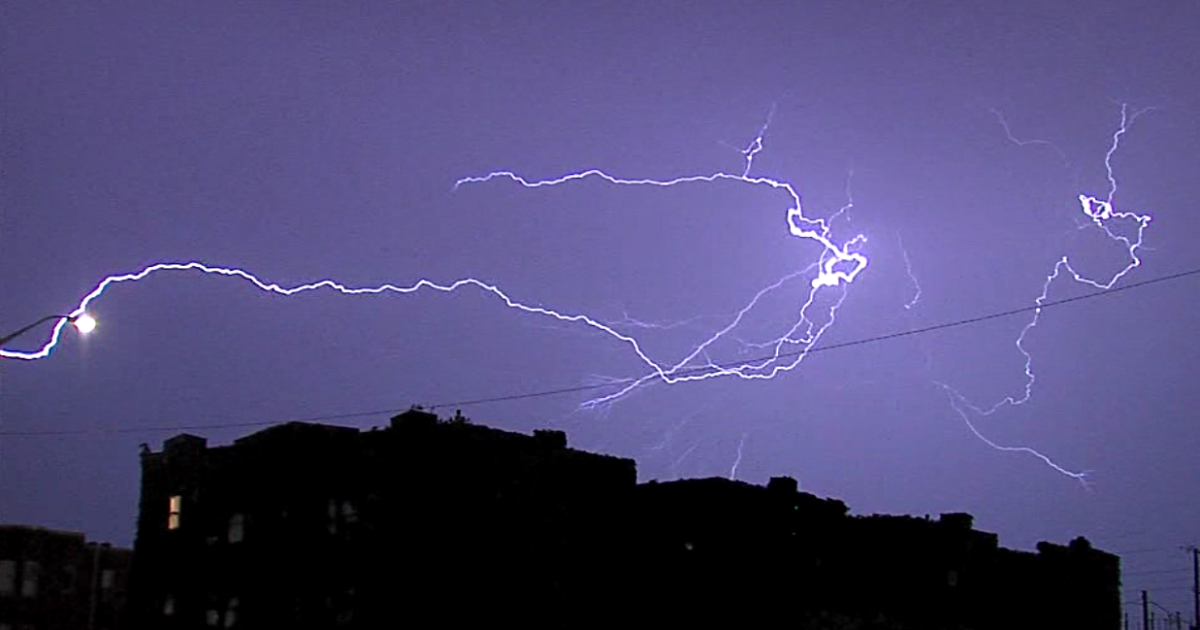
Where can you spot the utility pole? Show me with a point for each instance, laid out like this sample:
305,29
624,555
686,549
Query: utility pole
1146,611
1195,588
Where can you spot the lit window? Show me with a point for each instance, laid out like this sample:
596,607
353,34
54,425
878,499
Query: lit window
349,514
169,606
231,612
29,580
212,617
107,577
8,577
236,528
173,512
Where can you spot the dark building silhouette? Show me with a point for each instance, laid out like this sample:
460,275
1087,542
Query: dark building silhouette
444,523
55,580
312,526
716,551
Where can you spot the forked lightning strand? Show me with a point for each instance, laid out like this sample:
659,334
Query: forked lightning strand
738,461
834,268
837,265
1100,214
911,276
331,285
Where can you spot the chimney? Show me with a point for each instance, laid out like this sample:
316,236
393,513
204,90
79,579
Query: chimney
551,438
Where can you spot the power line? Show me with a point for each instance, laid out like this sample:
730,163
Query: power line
580,388
1162,588
1156,572
181,427
844,344
1160,579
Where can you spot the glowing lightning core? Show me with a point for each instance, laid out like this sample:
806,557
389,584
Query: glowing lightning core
838,264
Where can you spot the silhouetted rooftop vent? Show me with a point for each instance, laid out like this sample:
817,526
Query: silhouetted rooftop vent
551,438
957,520
415,418
184,444
783,485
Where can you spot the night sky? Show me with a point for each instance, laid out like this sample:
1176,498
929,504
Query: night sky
301,141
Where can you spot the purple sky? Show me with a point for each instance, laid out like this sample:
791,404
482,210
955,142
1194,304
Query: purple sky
302,141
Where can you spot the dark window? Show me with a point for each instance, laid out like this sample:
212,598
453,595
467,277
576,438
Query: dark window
29,579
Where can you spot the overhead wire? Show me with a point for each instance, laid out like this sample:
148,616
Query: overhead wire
841,345
1156,572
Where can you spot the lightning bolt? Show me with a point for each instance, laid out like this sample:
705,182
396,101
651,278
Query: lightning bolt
330,285
1030,142
837,265
756,145
737,462
1099,213
831,273
911,276
667,445
628,321
679,460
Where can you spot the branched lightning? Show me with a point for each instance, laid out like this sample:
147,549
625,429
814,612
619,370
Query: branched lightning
628,321
756,146
831,273
1029,142
957,402
1099,213
837,265
667,445
332,285
669,435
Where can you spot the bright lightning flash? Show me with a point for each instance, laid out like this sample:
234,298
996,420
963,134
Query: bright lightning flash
837,265
85,323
